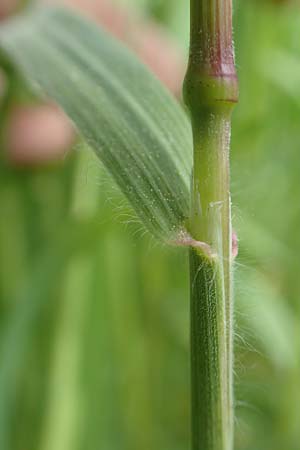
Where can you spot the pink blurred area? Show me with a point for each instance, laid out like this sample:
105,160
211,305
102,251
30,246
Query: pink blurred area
38,134
7,7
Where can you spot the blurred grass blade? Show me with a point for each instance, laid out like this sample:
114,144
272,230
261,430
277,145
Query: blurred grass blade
135,126
282,68
39,289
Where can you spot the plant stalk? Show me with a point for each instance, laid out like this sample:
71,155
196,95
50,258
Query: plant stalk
210,92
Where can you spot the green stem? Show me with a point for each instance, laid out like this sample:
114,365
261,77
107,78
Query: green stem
210,387
210,92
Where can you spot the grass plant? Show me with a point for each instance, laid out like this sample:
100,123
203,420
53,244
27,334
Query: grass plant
144,141
123,345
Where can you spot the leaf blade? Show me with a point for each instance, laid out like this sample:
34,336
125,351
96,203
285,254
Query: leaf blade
136,128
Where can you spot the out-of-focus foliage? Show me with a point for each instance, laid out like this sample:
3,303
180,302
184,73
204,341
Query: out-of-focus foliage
94,316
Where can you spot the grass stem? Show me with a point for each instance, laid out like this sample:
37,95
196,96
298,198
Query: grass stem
210,92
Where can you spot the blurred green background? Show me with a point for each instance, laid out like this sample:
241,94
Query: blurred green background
94,314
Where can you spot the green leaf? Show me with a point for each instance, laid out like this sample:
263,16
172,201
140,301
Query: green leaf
140,133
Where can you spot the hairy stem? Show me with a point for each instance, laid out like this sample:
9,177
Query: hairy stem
210,92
